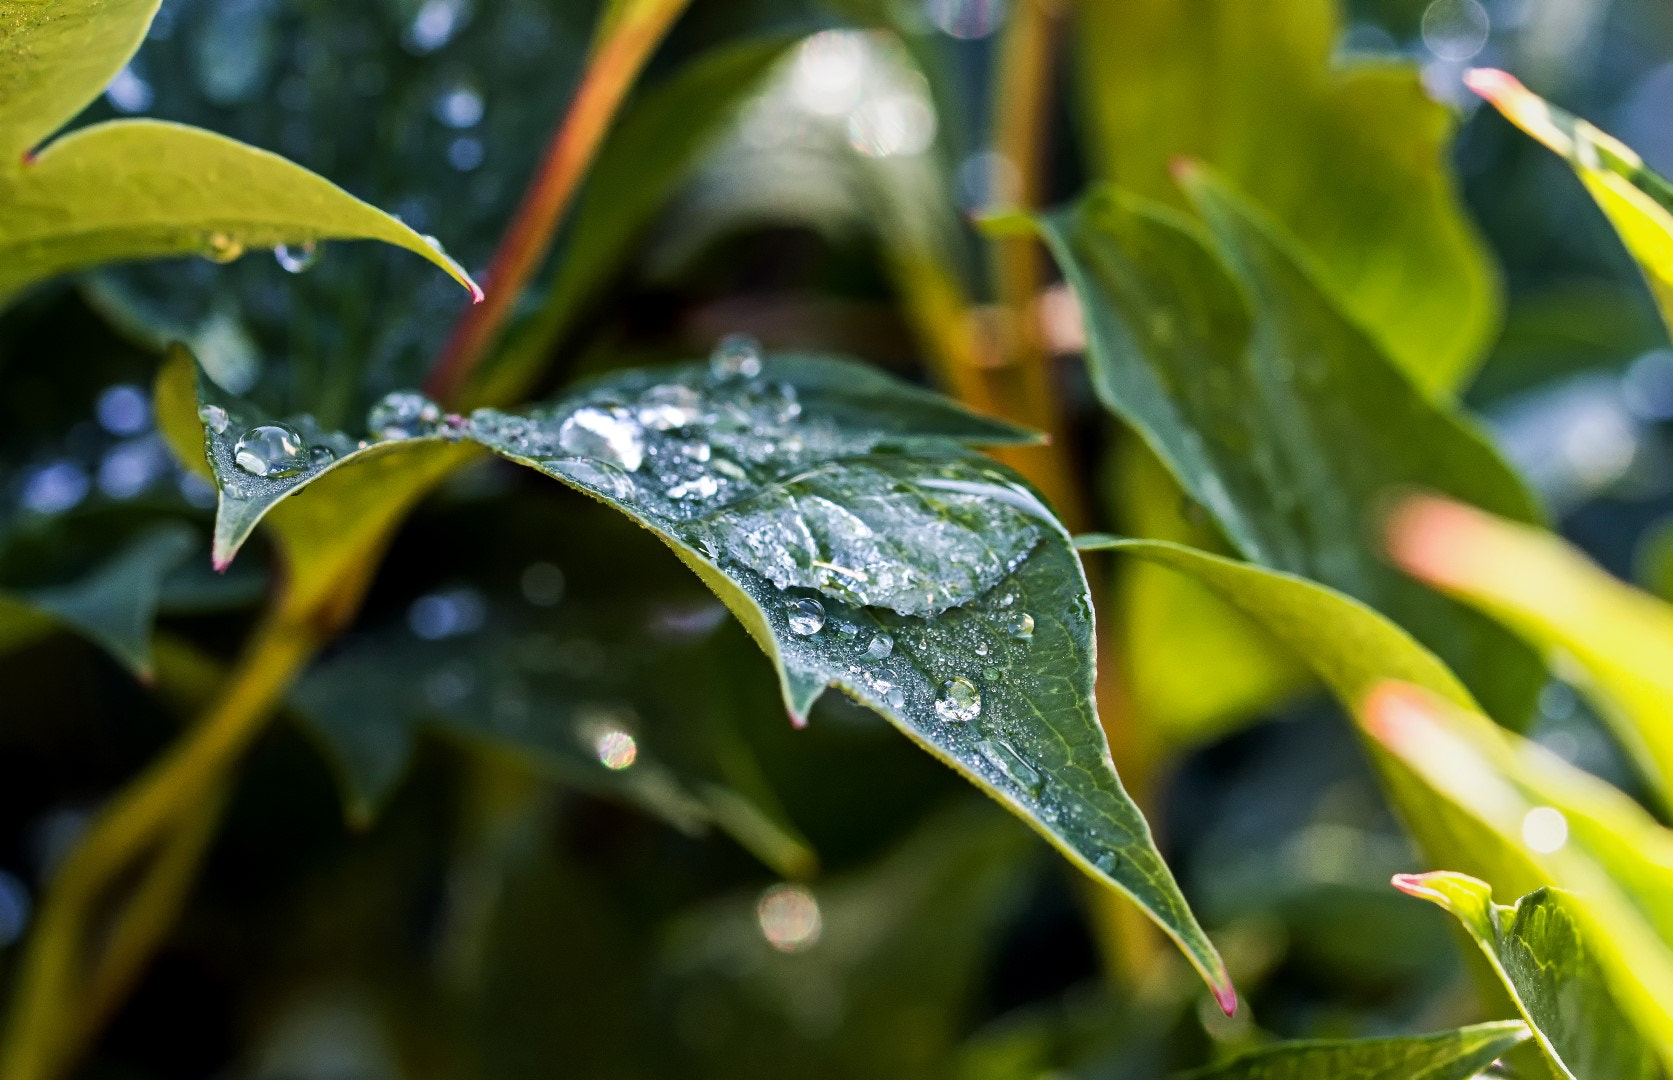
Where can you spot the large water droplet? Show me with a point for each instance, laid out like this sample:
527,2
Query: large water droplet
806,616
738,356
670,406
271,450
403,414
222,247
321,456
880,646
214,418
959,700
1020,625
607,433
700,487
297,258
1004,757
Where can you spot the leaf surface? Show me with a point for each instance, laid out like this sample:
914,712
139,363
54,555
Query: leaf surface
841,518
1444,1055
1540,953
1351,158
132,189
1277,413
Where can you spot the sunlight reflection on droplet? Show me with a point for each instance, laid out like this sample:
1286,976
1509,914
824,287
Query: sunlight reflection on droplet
1545,829
899,124
789,918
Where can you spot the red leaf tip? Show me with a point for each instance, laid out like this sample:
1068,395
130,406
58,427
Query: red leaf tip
1494,85
1183,168
477,295
1226,997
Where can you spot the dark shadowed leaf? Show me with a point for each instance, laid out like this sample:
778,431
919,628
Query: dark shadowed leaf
1541,955
1445,1055
1276,413
839,516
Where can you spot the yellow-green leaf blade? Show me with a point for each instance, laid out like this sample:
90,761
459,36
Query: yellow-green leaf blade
1444,1055
56,57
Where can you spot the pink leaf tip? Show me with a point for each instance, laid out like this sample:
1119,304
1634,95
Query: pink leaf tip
1494,85
1183,168
1226,997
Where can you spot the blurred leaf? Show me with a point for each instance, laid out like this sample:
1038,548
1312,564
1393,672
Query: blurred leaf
135,189
621,718
1620,638
1637,201
660,136
867,975
1585,837
114,604
1276,413
836,513
1540,953
1350,159
1445,1055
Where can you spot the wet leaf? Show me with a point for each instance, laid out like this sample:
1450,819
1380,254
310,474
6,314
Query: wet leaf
1616,640
1349,157
1540,953
1445,1055
1276,413
1635,199
994,677
114,604
132,189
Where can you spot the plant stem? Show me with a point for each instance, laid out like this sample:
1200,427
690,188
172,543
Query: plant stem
625,43
1022,378
89,941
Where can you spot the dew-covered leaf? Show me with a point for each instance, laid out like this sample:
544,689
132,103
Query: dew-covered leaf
1350,156
1444,1055
1540,954
997,682
1617,641
132,189
1276,412
580,694
113,604
1635,199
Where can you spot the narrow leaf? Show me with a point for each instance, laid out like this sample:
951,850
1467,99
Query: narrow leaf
1636,200
1621,639
134,189
1445,1055
1540,953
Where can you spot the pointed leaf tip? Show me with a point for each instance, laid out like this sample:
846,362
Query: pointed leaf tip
1226,997
1414,885
1494,85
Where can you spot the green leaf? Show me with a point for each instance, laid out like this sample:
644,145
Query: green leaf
1276,412
1464,786
632,725
1636,200
114,604
1350,158
1540,953
133,189
837,514
1445,1055
1616,641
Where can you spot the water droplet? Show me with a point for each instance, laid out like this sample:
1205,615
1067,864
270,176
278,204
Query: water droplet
789,918
221,247
321,456
738,356
1020,625
670,406
271,450
1004,757
781,402
1107,861
297,258
607,433
959,700
616,749
214,418
806,616
880,646
402,414
701,487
